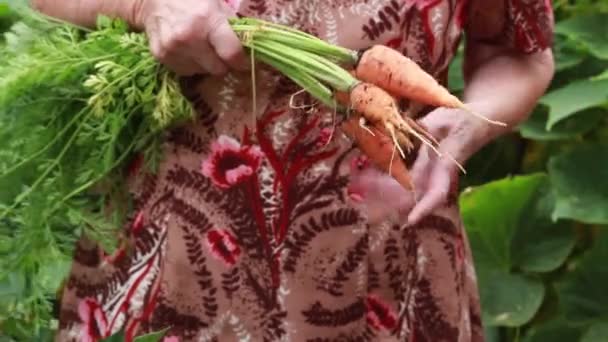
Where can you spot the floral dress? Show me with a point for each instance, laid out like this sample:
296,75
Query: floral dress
253,228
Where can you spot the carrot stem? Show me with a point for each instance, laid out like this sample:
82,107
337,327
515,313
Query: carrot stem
328,72
289,38
304,80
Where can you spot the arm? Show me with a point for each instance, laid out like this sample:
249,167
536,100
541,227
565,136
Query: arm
503,83
188,36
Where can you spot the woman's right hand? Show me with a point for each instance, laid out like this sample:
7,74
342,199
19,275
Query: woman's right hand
190,36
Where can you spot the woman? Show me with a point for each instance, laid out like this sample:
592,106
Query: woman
270,227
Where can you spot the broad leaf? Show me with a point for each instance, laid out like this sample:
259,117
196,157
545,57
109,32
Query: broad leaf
598,332
602,76
583,295
491,214
555,330
580,181
509,299
536,126
566,54
509,228
539,244
573,98
590,30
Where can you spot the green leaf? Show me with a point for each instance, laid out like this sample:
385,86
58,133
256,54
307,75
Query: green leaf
152,337
54,272
455,76
580,181
555,330
602,76
510,229
583,295
589,30
491,214
566,54
536,126
509,299
598,332
539,244
573,98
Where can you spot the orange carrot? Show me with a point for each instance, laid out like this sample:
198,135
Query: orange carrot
397,74
379,149
380,109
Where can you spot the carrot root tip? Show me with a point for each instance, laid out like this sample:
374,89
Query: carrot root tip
482,117
362,124
391,129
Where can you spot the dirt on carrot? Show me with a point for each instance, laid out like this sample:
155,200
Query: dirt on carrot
380,150
398,74
390,70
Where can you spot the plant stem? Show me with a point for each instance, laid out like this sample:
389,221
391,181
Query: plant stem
289,38
330,73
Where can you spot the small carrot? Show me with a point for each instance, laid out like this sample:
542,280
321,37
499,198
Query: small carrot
397,74
380,109
380,149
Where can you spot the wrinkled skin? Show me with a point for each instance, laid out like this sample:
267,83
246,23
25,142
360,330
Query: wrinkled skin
191,36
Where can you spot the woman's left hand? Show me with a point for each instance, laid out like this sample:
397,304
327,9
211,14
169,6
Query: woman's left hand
460,135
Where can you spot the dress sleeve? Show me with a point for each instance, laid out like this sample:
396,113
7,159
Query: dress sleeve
526,25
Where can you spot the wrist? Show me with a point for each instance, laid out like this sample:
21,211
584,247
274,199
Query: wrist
480,131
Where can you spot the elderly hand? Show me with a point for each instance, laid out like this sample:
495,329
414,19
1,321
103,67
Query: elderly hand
190,36
460,135
377,194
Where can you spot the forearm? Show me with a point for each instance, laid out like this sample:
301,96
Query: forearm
503,85
85,12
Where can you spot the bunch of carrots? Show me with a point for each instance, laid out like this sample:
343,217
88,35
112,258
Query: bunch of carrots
364,85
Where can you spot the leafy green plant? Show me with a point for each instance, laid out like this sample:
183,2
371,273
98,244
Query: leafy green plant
536,224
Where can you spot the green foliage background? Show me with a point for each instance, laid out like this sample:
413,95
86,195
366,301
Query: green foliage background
535,204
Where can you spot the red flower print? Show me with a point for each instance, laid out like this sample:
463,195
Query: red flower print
324,136
424,4
394,43
93,319
355,190
230,163
379,314
171,339
138,222
223,246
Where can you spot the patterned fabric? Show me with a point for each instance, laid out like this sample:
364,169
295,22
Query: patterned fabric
254,228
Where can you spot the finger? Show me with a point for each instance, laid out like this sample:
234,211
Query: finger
435,195
420,170
436,124
168,46
227,45
184,66
206,57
